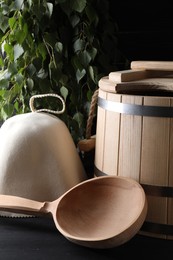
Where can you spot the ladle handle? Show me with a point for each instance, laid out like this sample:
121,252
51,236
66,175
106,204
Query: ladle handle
21,205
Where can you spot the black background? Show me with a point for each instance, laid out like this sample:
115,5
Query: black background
145,29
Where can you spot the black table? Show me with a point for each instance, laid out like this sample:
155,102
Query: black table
37,238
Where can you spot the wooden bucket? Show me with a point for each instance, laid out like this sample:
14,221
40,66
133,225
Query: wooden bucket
134,138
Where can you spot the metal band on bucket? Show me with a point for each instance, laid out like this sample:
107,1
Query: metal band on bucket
150,190
133,109
157,191
156,228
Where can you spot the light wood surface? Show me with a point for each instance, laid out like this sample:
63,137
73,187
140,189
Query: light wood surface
152,65
127,75
100,130
130,140
154,159
170,200
111,140
136,74
159,86
106,85
150,86
139,147
101,212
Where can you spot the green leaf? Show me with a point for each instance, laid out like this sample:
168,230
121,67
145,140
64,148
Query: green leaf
15,90
59,47
19,4
9,51
30,83
50,9
21,34
4,74
92,52
7,111
18,51
64,79
42,50
42,74
4,84
89,95
64,92
19,79
5,7
80,74
4,23
1,62
85,58
30,3
76,63
74,20
92,74
16,106
2,91
79,45
78,117
12,69
78,5
11,22
31,70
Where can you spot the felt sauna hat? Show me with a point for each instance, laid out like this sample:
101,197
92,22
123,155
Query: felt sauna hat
38,158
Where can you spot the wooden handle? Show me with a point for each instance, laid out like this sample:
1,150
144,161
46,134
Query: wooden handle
87,145
21,205
152,65
136,74
127,75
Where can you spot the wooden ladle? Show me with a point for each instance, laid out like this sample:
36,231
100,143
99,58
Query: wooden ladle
101,212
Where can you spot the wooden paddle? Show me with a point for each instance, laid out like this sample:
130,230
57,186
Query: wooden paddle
101,212
152,65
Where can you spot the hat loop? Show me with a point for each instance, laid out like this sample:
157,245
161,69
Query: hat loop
32,108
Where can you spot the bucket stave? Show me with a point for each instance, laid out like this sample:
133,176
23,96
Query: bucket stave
134,138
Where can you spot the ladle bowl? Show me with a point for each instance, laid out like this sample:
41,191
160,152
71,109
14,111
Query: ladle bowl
101,212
